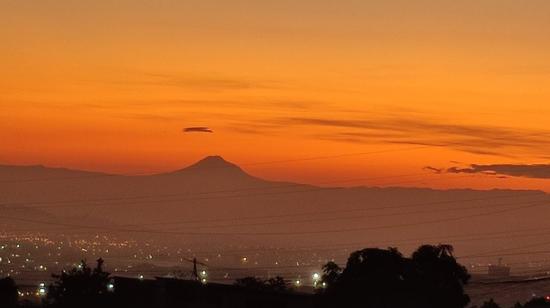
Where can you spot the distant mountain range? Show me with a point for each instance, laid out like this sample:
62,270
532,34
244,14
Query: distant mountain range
217,200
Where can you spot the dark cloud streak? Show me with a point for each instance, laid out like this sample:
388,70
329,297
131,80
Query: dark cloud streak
199,129
476,139
536,171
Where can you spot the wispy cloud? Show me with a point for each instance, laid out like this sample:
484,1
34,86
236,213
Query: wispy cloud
537,171
476,139
433,169
199,129
204,82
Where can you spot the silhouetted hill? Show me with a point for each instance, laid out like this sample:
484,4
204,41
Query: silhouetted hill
26,174
216,197
210,172
213,164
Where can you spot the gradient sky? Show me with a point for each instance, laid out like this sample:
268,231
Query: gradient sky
110,86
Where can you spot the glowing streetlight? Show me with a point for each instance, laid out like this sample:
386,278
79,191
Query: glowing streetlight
111,286
316,277
203,275
42,289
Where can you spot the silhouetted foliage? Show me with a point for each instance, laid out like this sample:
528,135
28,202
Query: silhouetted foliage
277,284
440,278
490,304
273,284
537,303
80,287
376,278
8,292
250,283
331,272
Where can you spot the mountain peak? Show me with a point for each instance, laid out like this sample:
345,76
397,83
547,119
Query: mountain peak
213,164
213,161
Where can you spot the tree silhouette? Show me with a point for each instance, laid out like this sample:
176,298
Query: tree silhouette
537,303
273,284
490,304
82,286
440,278
8,293
278,284
331,272
250,283
372,278
376,278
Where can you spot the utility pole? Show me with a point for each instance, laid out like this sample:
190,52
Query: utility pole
195,272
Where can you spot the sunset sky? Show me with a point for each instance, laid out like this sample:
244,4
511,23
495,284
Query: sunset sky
389,93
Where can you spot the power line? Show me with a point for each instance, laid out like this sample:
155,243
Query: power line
277,233
348,246
126,201
354,245
316,220
335,156
361,209
216,167
61,203
507,249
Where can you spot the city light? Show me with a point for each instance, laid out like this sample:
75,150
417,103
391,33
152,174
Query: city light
316,277
111,286
42,289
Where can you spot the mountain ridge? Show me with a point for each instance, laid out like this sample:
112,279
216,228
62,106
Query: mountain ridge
215,189
213,164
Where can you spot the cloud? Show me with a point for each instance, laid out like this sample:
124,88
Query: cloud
148,117
199,129
476,139
433,169
536,171
195,81
246,127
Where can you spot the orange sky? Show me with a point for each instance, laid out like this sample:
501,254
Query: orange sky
109,85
